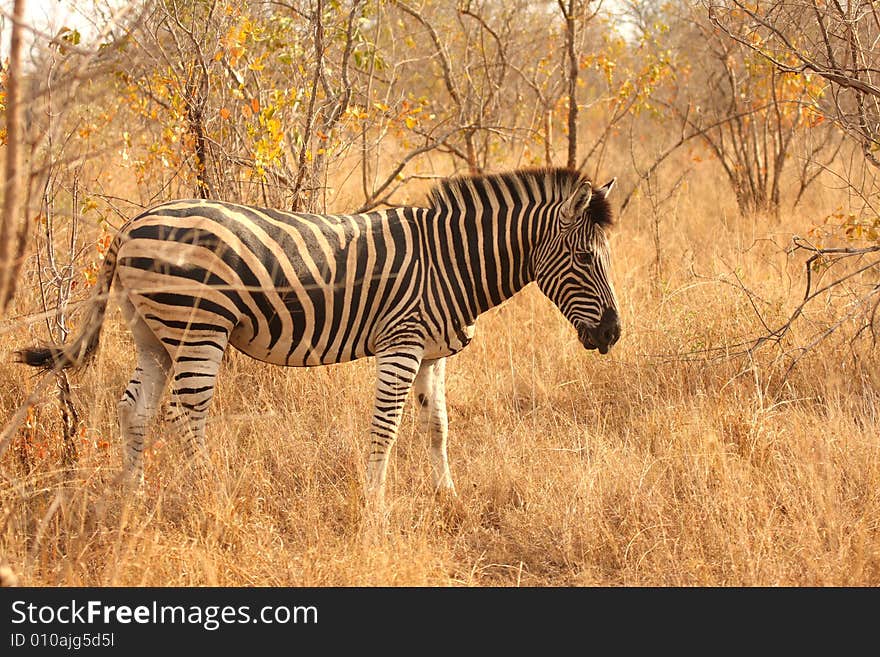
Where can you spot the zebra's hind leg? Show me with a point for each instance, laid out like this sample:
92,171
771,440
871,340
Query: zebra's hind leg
196,361
395,372
139,403
430,392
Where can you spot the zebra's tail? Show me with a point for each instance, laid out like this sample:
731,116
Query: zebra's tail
80,351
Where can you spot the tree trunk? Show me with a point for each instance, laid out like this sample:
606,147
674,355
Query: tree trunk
570,28
10,242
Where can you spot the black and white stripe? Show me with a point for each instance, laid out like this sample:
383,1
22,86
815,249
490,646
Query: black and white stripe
404,285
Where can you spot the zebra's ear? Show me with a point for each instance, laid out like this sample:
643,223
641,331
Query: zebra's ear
576,205
605,189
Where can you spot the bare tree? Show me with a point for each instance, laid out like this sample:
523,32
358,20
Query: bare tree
12,224
759,114
836,43
576,14
46,110
472,104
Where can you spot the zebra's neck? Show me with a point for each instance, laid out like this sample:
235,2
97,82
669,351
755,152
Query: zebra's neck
481,236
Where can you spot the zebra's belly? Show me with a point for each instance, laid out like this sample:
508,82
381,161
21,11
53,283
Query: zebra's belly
448,345
292,352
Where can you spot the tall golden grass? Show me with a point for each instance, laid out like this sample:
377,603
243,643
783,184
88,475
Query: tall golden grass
659,464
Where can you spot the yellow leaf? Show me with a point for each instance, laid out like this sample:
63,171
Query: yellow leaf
410,122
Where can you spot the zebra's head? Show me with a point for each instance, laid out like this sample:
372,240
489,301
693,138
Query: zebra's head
573,265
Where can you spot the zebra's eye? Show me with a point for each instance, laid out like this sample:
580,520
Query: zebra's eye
583,258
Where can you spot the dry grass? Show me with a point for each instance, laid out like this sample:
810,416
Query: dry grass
573,469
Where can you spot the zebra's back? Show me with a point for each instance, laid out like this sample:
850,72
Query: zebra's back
289,289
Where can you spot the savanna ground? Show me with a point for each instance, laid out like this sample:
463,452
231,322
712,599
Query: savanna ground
659,464
691,454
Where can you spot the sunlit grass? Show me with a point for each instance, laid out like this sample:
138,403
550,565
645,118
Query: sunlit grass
655,465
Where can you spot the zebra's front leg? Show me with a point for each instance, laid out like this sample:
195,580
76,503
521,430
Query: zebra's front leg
395,373
430,391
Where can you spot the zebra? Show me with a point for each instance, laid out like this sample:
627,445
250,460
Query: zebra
404,285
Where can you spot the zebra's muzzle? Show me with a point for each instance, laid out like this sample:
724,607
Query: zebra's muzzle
603,335
584,336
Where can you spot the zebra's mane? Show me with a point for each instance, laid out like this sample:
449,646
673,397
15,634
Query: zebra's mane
557,183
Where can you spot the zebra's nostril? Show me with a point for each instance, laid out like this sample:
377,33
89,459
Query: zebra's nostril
607,334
